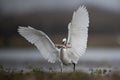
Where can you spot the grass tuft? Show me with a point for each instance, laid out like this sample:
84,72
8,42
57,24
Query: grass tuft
37,74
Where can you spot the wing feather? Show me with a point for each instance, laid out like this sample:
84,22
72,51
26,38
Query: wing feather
41,41
78,34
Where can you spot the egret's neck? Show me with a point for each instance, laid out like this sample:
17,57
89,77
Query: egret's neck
62,54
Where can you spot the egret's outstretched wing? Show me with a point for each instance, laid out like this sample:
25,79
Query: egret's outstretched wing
78,33
41,41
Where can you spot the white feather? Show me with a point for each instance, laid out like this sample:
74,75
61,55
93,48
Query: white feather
77,39
78,34
41,41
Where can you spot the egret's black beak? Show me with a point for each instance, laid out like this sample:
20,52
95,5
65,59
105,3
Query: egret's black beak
63,42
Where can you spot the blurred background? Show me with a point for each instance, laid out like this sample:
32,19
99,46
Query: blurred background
52,17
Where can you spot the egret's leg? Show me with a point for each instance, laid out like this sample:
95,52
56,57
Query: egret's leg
73,66
61,67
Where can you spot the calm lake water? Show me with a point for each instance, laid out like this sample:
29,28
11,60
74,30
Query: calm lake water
23,58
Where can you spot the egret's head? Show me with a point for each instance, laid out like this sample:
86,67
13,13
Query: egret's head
64,41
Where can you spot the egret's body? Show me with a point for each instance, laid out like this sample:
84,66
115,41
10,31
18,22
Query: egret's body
71,49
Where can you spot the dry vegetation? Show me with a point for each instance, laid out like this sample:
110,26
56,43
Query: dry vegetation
40,75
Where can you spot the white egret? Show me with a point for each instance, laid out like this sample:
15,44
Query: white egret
72,48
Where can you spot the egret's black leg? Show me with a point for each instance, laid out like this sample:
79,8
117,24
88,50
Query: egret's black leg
73,66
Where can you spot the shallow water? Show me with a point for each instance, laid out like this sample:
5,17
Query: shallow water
107,58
